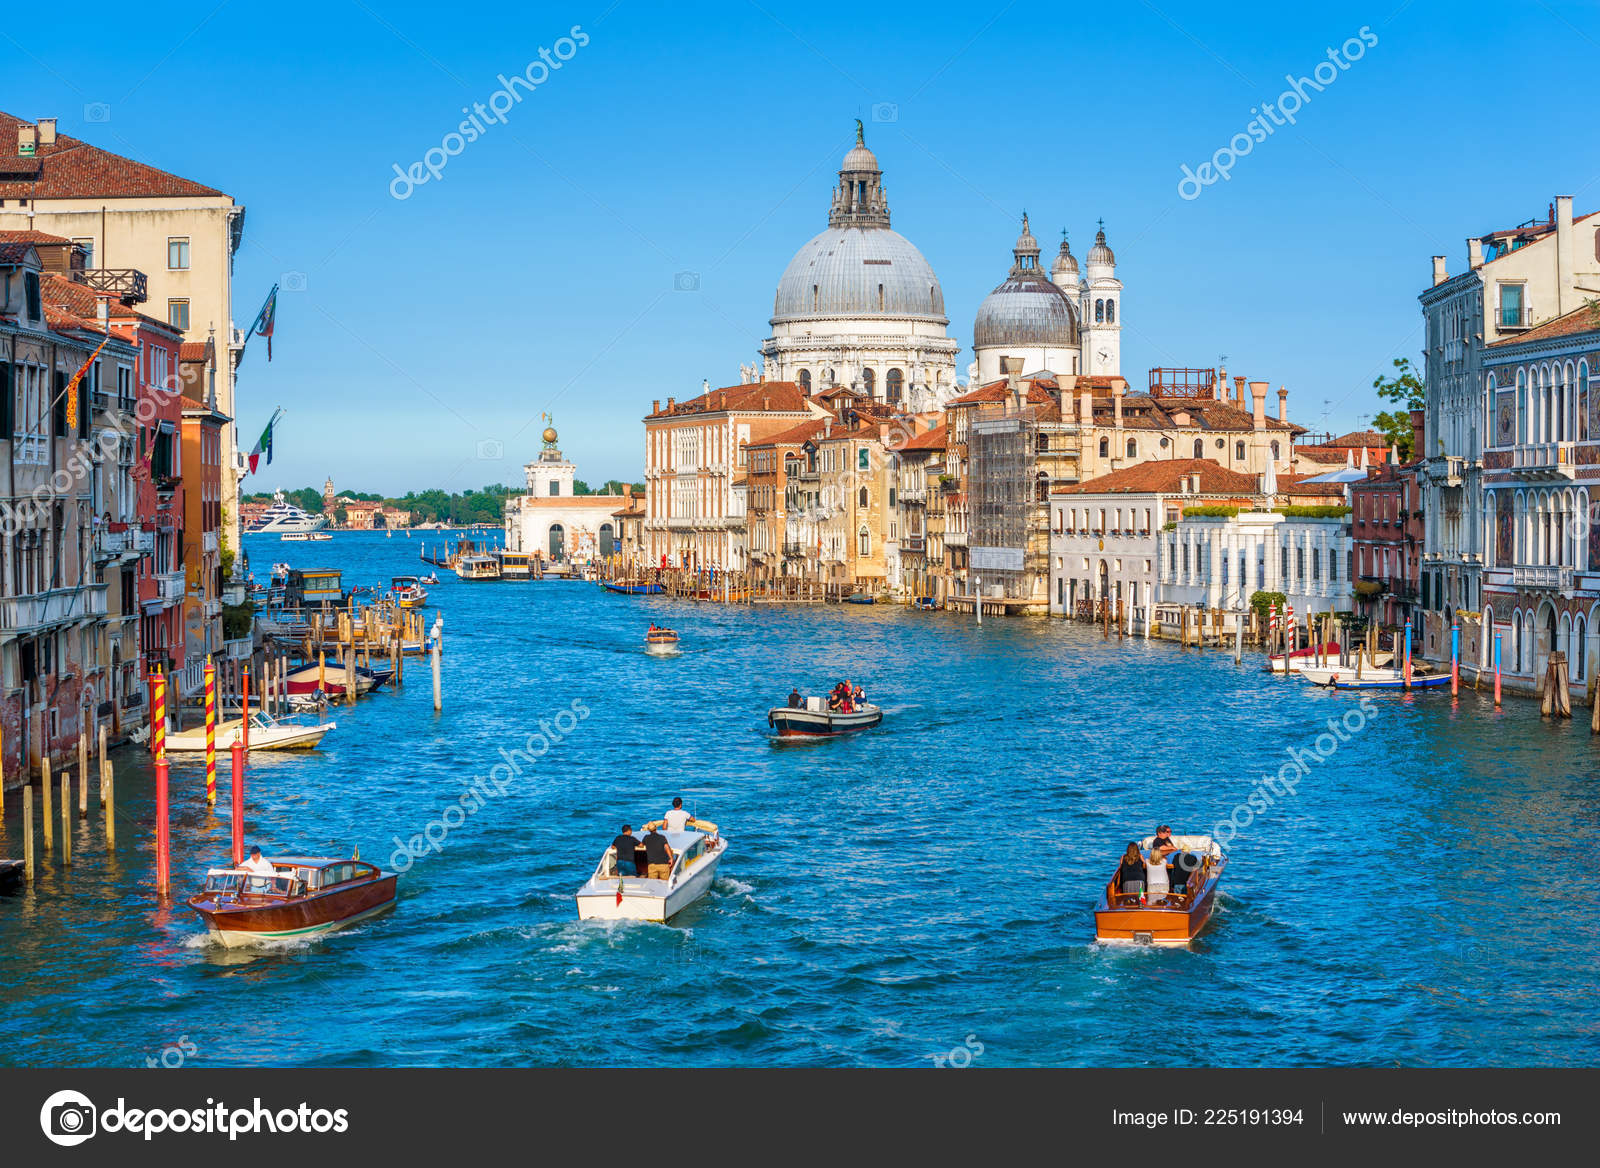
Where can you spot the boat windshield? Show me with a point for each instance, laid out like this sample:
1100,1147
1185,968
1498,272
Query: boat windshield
223,881
278,885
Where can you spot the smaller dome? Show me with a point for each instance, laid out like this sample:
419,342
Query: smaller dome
1065,263
860,158
1026,241
1100,253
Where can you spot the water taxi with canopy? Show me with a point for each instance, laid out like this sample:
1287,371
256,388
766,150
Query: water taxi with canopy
303,897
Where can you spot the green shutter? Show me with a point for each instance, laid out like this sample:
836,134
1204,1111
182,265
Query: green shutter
8,401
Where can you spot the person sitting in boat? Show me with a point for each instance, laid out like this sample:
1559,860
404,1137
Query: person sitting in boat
1130,874
625,844
658,854
258,865
859,698
795,700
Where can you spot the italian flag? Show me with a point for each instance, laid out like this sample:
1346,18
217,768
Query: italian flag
264,443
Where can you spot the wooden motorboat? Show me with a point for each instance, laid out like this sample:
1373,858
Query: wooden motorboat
266,733
1160,916
1423,676
408,592
608,896
926,604
815,720
860,598
303,897
632,587
329,678
660,641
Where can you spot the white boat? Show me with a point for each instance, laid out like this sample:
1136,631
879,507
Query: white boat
610,897
1383,677
284,518
266,733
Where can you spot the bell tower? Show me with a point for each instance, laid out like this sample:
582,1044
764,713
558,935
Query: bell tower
1102,310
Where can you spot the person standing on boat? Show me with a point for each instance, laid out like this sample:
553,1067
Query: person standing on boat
658,854
258,865
677,819
795,700
625,844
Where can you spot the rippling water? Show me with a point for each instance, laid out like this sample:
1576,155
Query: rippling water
919,889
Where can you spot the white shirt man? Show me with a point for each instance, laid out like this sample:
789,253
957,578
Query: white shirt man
677,819
258,865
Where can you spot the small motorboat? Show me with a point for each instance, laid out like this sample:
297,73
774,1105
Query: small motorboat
926,604
1310,655
329,679
430,578
302,897
408,592
660,641
1423,676
1158,915
860,598
610,897
632,587
266,733
815,720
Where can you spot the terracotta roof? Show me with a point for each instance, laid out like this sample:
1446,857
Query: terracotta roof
793,436
70,168
1359,438
997,391
60,292
1165,476
194,351
15,253
32,237
1579,320
65,322
762,396
937,438
1323,454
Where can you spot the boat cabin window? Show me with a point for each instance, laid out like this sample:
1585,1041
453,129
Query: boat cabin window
336,874
223,881
269,885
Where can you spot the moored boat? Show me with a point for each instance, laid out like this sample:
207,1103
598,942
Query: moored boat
408,592
632,587
860,598
1158,915
1423,676
1310,655
515,565
478,568
815,720
266,733
303,897
608,896
329,678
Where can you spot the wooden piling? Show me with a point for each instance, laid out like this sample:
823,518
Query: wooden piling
108,798
103,799
49,826
66,819
83,769
27,833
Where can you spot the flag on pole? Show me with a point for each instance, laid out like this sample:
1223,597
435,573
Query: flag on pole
264,443
72,386
266,322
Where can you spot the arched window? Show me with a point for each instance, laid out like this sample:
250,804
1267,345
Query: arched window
893,385
1041,488
805,380
869,381
863,497
880,297
1486,648
1199,448
608,540
1522,407
829,377
1105,448
813,298
1238,451
864,541
1586,431
1111,312
1275,450
1099,311
1133,448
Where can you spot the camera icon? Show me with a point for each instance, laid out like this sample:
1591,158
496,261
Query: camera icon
97,111
686,282
67,1118
292,281
491,450
885,111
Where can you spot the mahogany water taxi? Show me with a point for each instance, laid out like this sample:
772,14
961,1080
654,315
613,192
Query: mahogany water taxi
303,897
1156,914
659,640
608,896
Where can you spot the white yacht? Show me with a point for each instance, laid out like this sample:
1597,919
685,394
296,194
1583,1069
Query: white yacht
610,897
284,518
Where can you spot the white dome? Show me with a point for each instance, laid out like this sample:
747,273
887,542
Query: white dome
859,272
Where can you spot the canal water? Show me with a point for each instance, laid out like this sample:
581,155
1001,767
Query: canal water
918,894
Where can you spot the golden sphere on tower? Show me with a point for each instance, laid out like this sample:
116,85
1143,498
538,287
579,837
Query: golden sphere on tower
549,433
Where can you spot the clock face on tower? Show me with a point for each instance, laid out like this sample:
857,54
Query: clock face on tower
1104,354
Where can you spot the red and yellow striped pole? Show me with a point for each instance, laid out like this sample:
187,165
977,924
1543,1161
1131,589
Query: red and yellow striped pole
211,733
158,736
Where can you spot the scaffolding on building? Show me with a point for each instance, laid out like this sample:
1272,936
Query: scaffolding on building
1003,498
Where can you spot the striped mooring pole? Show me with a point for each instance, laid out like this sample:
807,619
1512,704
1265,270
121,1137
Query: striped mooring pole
211,733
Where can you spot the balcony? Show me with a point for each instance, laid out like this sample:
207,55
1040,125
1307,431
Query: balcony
128,285
212,609
1514,318
918,495
1542,577
914,543
169,586
209,542
129,543
24,614
1549,460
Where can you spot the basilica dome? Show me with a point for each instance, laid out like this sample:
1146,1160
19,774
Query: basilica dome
1027,309
859,272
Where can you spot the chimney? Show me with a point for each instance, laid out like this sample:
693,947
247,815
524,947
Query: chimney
1219,390
1085,406
1283,404
1474,255
1566,294
27,139
1116,400
670,402
1238,392
655,406
1258,402
827,426
705,385
47,131
1418,421
1439,274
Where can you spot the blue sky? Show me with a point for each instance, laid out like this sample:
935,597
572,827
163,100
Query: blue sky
538,272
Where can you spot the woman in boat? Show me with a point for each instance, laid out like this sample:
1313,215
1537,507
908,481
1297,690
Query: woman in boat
1130,874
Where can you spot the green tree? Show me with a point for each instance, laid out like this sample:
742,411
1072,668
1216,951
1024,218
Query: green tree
1407,391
